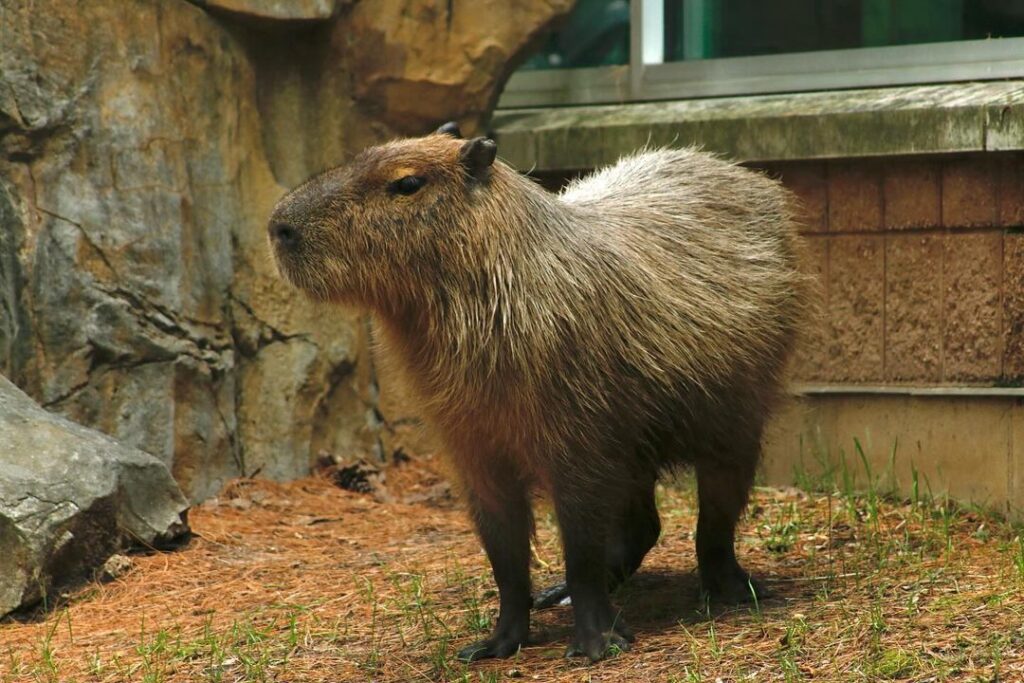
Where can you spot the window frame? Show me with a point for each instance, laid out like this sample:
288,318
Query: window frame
648,78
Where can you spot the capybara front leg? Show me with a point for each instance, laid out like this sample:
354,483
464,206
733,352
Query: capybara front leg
504,527
598,627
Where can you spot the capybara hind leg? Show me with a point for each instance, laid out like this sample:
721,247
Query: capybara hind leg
598,627
504,526
631,534
722,491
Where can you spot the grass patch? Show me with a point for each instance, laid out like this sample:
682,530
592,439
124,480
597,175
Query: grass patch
309,583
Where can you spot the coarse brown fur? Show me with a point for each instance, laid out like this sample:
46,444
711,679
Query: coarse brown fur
580,343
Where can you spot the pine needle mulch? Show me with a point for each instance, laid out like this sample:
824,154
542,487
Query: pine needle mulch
307,582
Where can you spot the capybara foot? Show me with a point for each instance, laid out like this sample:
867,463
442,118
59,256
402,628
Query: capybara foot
732,587
494,647
596,645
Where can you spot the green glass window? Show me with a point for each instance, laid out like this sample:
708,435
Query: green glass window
703,29
596,33
680,49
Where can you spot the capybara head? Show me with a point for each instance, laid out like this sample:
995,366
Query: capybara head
351,233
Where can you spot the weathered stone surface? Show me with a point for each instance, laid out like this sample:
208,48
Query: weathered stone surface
1013,309
416,62
287,10
906,120
142,146
70,497
854,197
114,176
811,363
1011,190
856,274
913,308
911,194
972,339
969,187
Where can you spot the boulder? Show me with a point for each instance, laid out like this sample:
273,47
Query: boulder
70,497
414,63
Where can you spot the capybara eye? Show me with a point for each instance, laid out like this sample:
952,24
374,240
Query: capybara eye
410,184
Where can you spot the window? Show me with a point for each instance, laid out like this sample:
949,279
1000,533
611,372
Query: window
615,50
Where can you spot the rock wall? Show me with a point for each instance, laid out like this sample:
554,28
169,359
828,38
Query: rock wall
143,144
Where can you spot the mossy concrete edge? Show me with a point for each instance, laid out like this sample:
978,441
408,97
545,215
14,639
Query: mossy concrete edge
935,119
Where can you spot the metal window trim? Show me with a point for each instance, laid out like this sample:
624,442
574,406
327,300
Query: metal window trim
969,60
898,390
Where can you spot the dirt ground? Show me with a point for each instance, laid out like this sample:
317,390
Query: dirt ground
309,582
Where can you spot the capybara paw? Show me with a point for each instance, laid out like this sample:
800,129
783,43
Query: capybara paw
557,594
734,588
494,647
597,645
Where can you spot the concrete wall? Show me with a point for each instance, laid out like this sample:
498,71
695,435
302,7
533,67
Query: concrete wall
921,265
971,447
921,261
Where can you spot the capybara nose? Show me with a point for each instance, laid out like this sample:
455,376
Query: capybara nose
285,235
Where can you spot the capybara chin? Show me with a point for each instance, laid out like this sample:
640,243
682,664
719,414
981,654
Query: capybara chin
580,343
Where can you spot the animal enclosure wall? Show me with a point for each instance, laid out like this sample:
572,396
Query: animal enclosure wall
913,215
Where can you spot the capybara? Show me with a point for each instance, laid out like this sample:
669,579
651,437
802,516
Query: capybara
578,343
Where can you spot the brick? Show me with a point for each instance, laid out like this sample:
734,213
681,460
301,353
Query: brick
809,365
1010,168
1013,309
913,308
808,182
854,309
972,339
911,194
854,197
969,193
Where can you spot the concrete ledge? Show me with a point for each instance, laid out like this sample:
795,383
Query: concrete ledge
970,447
934,119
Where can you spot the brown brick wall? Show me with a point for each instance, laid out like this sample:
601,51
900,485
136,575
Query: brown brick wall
921,264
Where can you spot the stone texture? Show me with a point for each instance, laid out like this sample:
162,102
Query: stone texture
972,334
913,309
811,363
1011,190
416,60
286,10
142,146
856,281
854,197
1013,309
809,183
830,124
911,194
969,193
71,497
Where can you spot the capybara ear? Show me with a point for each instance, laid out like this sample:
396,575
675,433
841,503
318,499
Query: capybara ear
477,156
450,128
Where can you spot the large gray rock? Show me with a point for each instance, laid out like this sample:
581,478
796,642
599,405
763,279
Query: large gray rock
70,497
